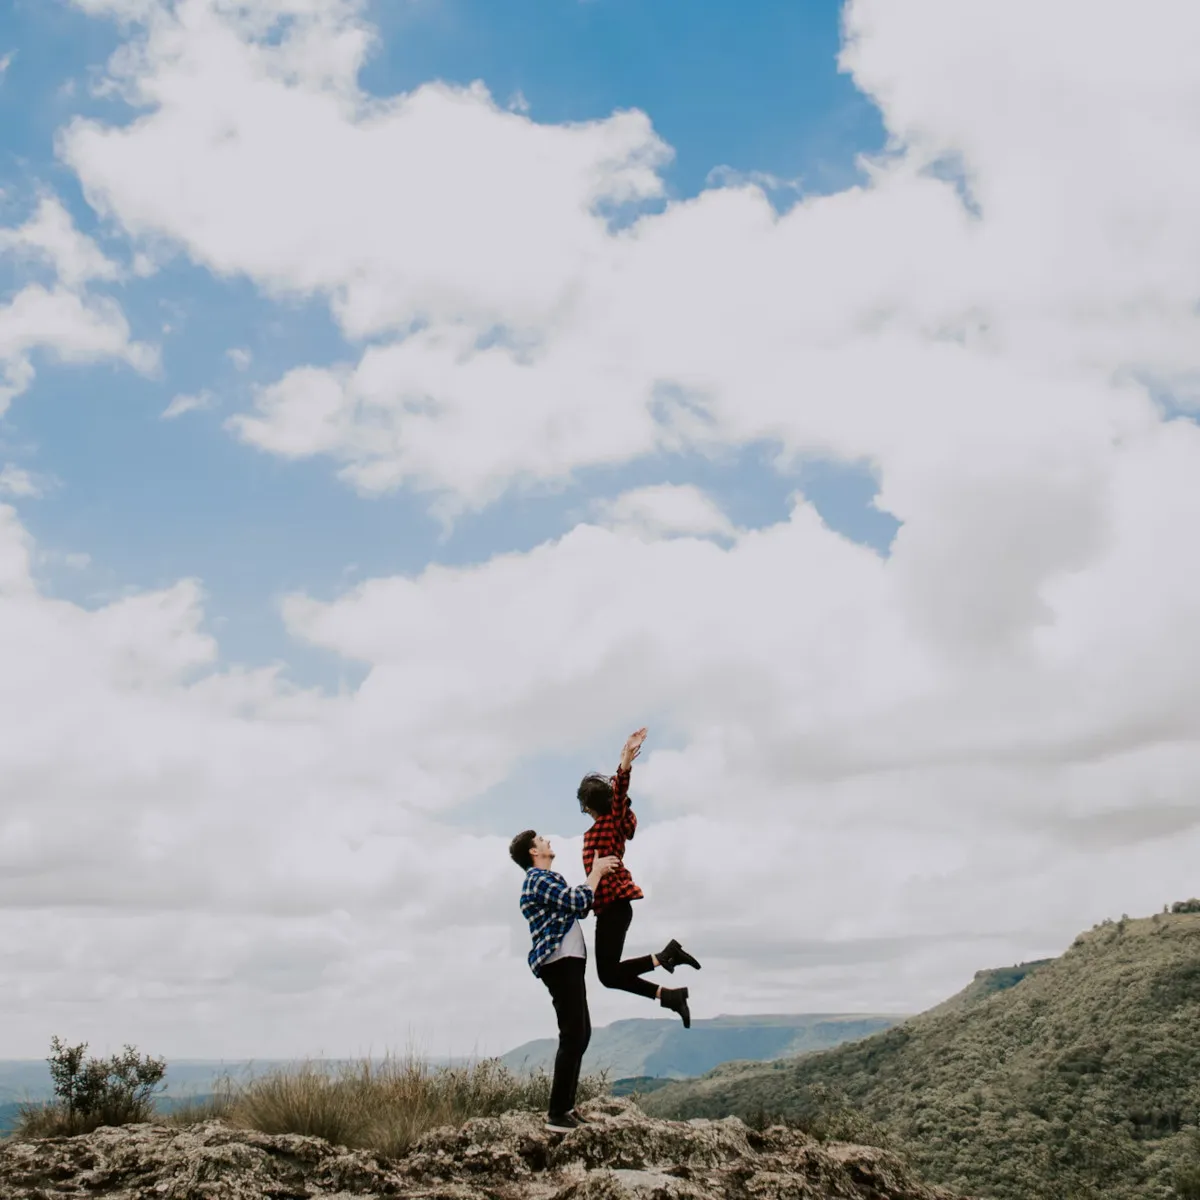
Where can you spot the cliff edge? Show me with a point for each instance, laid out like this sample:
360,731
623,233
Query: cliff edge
621,1154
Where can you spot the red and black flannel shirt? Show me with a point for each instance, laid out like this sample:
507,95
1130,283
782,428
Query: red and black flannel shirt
608,836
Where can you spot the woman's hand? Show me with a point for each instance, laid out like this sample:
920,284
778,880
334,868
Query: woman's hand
633,747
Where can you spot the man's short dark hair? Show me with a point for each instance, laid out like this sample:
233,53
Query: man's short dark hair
520,849
595,793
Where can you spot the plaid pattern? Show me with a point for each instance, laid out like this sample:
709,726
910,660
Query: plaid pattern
550,906
608,836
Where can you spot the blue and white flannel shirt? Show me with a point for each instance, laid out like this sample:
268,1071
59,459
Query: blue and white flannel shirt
550,905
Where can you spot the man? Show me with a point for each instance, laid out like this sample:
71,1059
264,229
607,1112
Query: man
558,957
606,801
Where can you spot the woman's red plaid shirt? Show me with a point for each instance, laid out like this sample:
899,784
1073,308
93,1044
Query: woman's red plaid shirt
608,836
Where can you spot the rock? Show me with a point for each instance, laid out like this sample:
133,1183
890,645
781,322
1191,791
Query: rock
620,1155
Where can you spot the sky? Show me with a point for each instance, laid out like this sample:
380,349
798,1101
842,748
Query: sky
404,401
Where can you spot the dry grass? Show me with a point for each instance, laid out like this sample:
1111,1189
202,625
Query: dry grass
202,1108
55,1120
384,1106
387,1106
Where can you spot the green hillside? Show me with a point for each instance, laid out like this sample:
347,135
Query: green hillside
1058,1080
664,1049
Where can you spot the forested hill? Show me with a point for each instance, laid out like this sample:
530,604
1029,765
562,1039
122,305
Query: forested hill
1078,1076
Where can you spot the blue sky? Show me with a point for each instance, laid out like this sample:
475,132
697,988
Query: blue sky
151,501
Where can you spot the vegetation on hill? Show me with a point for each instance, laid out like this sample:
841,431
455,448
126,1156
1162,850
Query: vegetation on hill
1073,1078
637,1085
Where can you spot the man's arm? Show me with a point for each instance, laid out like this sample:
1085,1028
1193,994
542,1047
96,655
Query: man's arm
551,891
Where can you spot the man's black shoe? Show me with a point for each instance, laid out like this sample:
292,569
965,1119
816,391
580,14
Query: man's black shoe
579,1117
676,1000
564,1123
674,955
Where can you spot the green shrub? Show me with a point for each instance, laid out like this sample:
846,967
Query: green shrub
113,1091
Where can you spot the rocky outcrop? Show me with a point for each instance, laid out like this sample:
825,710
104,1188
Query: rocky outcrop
621,1154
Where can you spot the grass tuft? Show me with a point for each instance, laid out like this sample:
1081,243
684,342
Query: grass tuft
387,1106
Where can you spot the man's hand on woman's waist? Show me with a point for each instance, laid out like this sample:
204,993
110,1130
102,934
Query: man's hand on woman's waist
600,868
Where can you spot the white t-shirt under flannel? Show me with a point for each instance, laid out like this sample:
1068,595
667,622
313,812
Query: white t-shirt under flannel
551,908
572,945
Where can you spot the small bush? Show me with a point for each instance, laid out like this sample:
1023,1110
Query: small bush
114,1091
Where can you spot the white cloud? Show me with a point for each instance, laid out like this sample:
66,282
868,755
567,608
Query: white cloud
184,403
726,176
16,481
6,61
240,357
849,325
141,790
203,847
957,755
665,509
64,319
73,328
50,234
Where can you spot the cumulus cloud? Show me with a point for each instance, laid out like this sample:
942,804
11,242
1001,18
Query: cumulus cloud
16,481
65,319
50,234
663,509
185,403
182,835
955,755
549,342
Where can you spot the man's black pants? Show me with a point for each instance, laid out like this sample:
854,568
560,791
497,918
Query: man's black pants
565,979
612,924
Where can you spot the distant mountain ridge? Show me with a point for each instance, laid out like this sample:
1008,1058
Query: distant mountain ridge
1077,1076
664,1049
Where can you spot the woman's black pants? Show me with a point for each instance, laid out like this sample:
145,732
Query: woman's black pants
612,924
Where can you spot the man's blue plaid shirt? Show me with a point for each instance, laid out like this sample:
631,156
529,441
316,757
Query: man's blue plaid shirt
550,906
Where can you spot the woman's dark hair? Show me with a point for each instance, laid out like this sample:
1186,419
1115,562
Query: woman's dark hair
595,794
520,848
